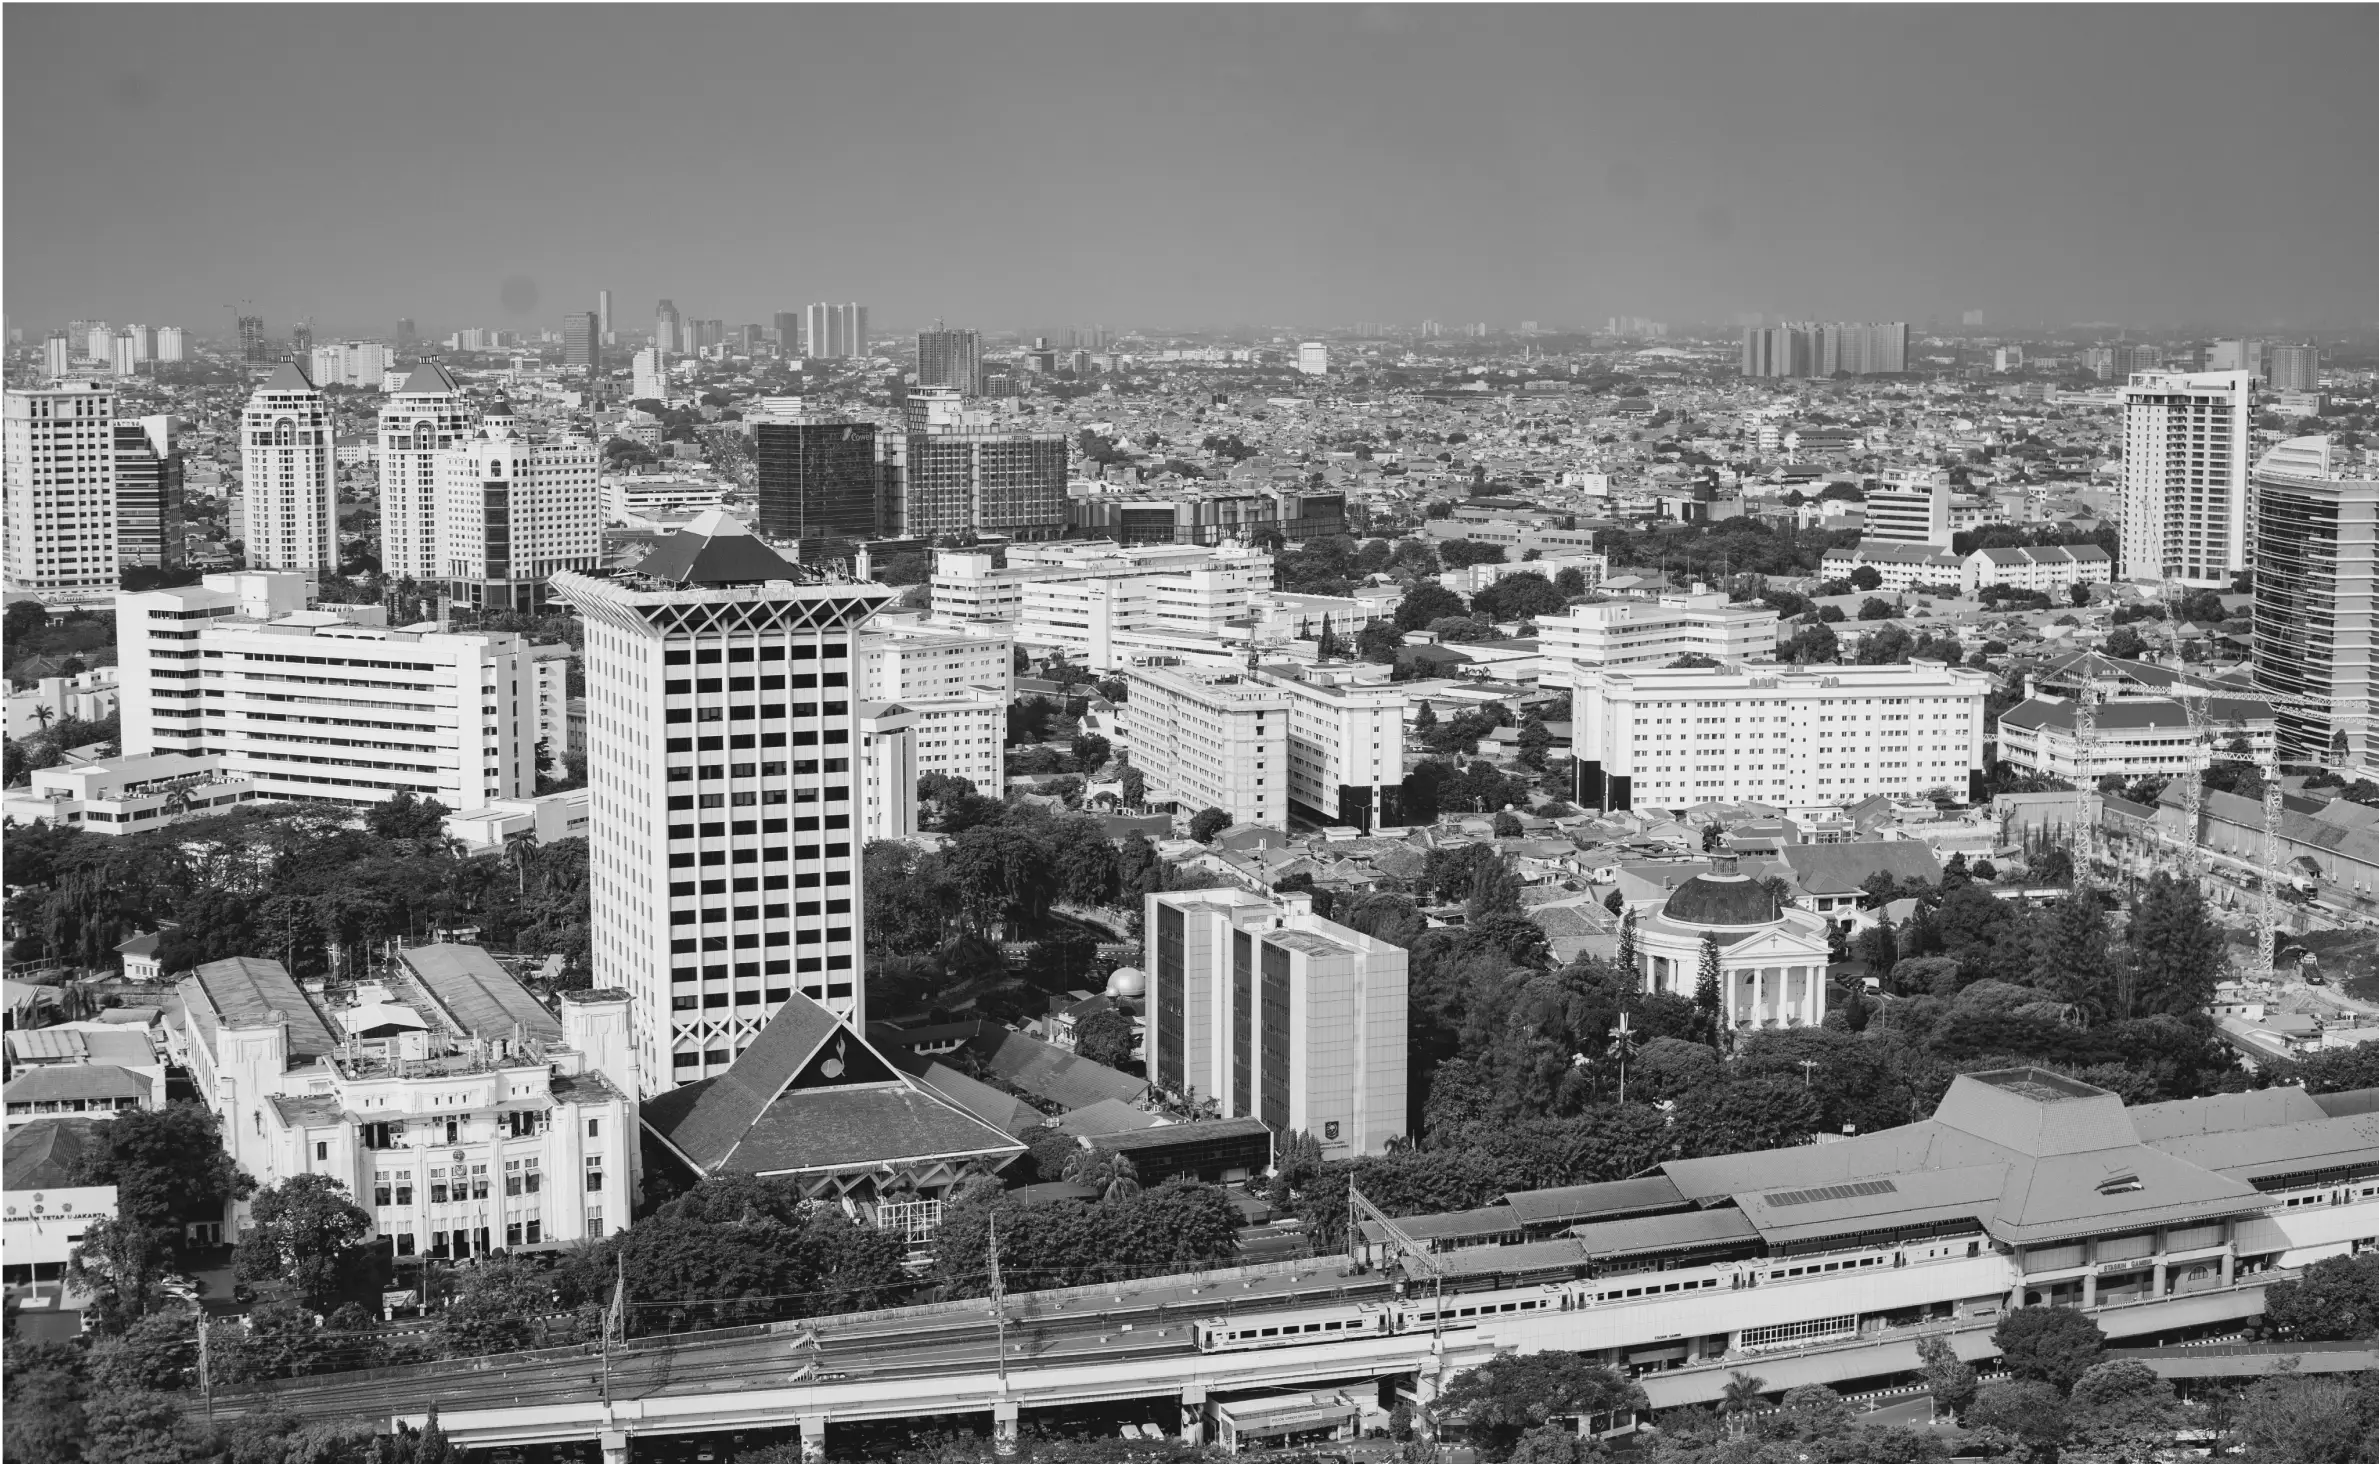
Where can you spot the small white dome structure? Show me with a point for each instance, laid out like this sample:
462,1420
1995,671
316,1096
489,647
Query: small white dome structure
1128,981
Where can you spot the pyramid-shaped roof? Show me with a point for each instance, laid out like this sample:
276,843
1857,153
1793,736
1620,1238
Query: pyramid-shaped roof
429,377
289,376
715,549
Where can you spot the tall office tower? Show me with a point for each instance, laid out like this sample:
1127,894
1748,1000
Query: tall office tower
57,357
170,346
148,494
427,414
951,358
2317,596
953,470
408,335
252,339
2294,368
603,316
668,330
817,475
582,342
788,332
287,486
513,513
1275,1013
722,719
61,487
648,376
2185,444
1313,359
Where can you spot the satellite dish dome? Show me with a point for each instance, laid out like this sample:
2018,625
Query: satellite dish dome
1128,981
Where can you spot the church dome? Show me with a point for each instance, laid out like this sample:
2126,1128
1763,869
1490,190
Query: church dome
1722,899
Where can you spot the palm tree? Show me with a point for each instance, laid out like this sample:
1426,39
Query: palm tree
1736,1400
1623,1047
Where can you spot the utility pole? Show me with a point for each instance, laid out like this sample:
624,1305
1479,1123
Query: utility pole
206,1374
999,1308
618,1319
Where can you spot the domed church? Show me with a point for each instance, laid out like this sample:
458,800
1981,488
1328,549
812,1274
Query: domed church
1771,956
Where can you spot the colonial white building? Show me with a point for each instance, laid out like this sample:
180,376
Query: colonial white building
1800,740
1771,956
288,488
722,713
459,1112
1208,739
61,487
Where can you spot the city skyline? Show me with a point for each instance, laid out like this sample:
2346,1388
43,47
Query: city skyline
1535,164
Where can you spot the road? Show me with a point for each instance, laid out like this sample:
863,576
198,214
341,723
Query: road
1107,1323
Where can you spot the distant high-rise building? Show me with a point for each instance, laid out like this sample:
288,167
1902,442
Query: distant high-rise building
816,475
427,414
2185,443
121,358
100,342
603,315
2317,598
950,358
1971,317
2294,368
1861,348
408,336
694,771
1313,359
649,376
2236,355
837,332
301,339
955,470
61,487
582,342
668,330
288,487
57,357
144,341
171,347
148,494
788,332
252,339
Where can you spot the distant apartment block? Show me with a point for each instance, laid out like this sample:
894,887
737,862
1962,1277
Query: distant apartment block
950,358
61,487
1346,747
1218,515
1853,348
967,587
1207,739
956,471
1618,633
2186,438
1903,566
2052,569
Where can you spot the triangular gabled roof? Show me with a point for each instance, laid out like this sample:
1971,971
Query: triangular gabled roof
289,376
427,379
706,1120
715,549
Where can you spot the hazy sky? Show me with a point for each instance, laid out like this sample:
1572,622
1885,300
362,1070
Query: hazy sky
1041,166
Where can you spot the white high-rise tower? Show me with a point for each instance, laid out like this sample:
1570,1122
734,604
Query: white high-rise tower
722,725
2186,438
288,488
61,487
426,414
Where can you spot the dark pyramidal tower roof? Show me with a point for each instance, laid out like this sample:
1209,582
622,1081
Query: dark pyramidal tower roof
714,549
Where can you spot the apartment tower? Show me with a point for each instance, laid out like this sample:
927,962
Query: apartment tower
2316,594
427,414
513,512
722,722
61,487
952,358
2186,437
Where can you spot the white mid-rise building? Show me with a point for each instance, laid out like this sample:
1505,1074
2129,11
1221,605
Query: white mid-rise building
649,375
549,695
903,657
1274,1013
1313,359
2051,569
311,708
1111,621
1799,740
288,488
1697,622
888,771
2186,443
1346,746
513,512
721,721
1910,508
170,344
967,587
426,414
1206,739
961,736
60,454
